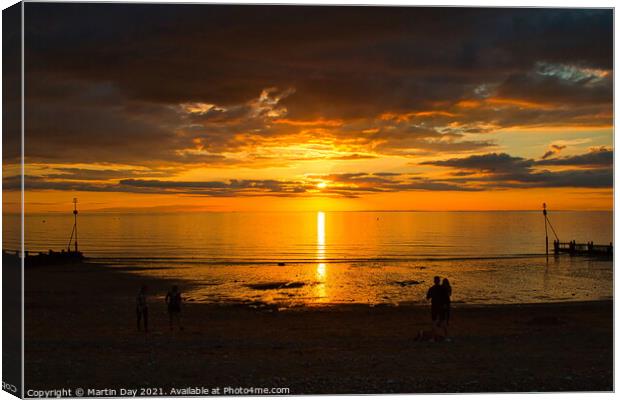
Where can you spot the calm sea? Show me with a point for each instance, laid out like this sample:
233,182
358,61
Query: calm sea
368,257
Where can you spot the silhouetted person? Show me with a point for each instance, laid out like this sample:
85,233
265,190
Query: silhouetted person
142,309
436,294
174,300
447,303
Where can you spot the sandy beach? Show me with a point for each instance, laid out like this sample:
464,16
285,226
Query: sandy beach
80,332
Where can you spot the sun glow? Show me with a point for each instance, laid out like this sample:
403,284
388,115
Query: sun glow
321,185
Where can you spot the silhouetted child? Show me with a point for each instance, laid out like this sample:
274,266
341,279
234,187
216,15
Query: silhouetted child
142,309
174,300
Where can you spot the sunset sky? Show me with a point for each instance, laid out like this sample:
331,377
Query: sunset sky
233,108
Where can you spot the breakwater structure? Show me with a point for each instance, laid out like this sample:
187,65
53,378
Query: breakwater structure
51,256
572,247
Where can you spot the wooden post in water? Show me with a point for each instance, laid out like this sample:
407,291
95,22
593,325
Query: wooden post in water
556,242
73,236
546,235
75,213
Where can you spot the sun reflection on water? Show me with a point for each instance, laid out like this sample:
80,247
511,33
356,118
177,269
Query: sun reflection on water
321,269
320,234
321,272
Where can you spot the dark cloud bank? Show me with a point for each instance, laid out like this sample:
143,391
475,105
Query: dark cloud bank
179,85
105,81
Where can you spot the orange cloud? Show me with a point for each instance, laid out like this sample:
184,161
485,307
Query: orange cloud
503,101
389,116
468,104
317,122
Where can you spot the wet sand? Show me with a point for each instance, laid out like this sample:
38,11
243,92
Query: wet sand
80,332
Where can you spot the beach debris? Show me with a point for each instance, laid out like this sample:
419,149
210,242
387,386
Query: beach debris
276,285
407,283
256,304
293,285
281,264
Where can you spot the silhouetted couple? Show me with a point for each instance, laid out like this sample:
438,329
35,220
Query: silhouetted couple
173,301
439,295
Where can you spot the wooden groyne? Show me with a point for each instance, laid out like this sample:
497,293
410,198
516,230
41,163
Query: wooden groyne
51,256
44,258
573,248
583,249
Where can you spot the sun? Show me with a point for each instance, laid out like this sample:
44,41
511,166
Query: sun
321,185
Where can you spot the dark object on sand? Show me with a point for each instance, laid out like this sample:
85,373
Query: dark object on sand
408,283
281,264
276,285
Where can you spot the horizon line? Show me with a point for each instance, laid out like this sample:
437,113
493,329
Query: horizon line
147,210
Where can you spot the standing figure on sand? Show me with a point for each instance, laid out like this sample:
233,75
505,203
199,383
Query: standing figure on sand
174,301
142,309
439,295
